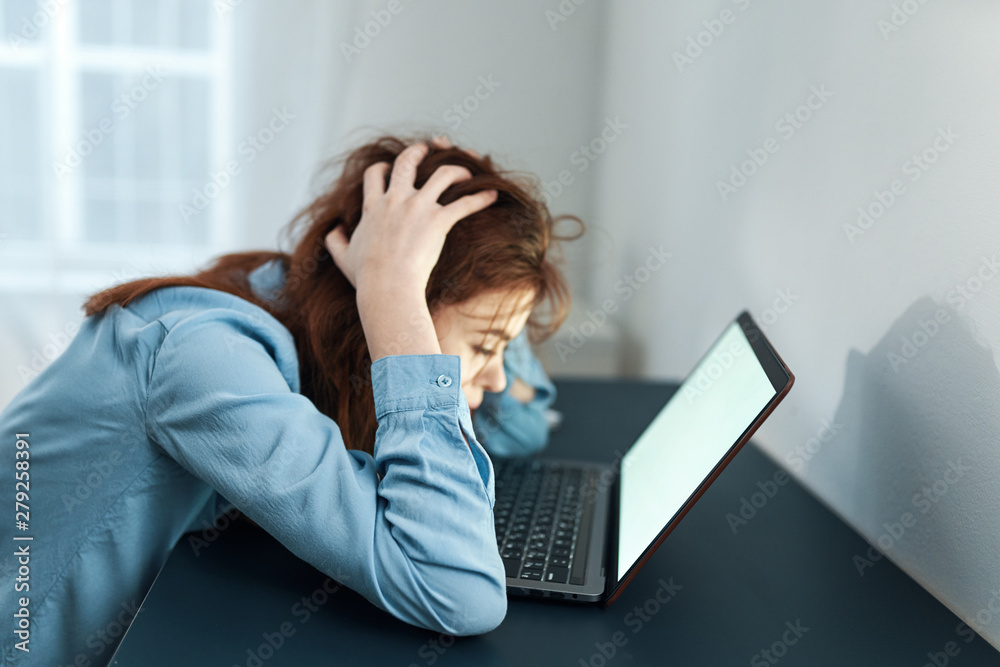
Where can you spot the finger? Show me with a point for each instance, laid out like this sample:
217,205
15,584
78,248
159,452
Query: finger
466,206
442,178
404,171
336,243
442,141
374,180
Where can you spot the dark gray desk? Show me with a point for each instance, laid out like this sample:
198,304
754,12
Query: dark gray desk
790,566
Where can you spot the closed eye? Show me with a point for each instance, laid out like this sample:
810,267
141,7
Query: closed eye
479,349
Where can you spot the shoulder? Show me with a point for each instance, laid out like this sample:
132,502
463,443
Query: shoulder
207,326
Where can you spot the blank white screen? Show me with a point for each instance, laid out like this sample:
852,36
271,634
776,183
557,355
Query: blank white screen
690,436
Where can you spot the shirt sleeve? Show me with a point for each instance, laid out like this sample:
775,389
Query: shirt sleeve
420,543
505,425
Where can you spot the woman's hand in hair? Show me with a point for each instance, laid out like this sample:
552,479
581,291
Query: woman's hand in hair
402,229
395,246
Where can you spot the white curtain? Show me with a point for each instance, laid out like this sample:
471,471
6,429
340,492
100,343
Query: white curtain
142,138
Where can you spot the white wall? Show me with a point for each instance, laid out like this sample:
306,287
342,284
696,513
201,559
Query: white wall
538,108
288,56
851,303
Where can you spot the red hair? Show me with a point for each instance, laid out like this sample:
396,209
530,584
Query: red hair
504,247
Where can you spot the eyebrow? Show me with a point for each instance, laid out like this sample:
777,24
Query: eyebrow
496,332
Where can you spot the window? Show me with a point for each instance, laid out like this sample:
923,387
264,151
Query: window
113,115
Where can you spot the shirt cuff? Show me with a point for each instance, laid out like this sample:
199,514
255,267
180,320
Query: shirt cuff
415,382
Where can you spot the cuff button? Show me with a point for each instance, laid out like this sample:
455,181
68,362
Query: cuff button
443,381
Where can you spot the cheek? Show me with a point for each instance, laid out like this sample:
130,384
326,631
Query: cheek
472,370
468,368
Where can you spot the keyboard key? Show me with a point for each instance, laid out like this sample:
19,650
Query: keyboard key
537,514
557,575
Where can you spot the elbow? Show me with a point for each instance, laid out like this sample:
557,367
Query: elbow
463,595
528,440
476,604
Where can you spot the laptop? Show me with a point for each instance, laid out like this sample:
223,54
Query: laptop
581,531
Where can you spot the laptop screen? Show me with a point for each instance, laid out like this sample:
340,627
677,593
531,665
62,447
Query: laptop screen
690,436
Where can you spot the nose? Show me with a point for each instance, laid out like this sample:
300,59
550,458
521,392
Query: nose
493,378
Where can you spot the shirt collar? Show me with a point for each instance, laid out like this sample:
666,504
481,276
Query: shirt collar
267,279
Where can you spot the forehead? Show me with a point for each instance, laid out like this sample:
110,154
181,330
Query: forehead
495,309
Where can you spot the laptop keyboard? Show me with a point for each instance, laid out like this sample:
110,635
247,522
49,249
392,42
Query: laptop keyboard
542,522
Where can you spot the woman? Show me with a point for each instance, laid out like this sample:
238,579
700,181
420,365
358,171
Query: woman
325,394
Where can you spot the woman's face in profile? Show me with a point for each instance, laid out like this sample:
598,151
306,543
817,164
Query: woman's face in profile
477,331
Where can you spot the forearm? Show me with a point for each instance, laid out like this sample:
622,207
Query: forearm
396,320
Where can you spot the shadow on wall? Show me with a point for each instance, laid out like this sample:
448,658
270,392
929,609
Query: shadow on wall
914,457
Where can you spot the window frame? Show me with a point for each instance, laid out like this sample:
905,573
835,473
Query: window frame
59,259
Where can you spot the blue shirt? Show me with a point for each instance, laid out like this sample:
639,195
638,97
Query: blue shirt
158,413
